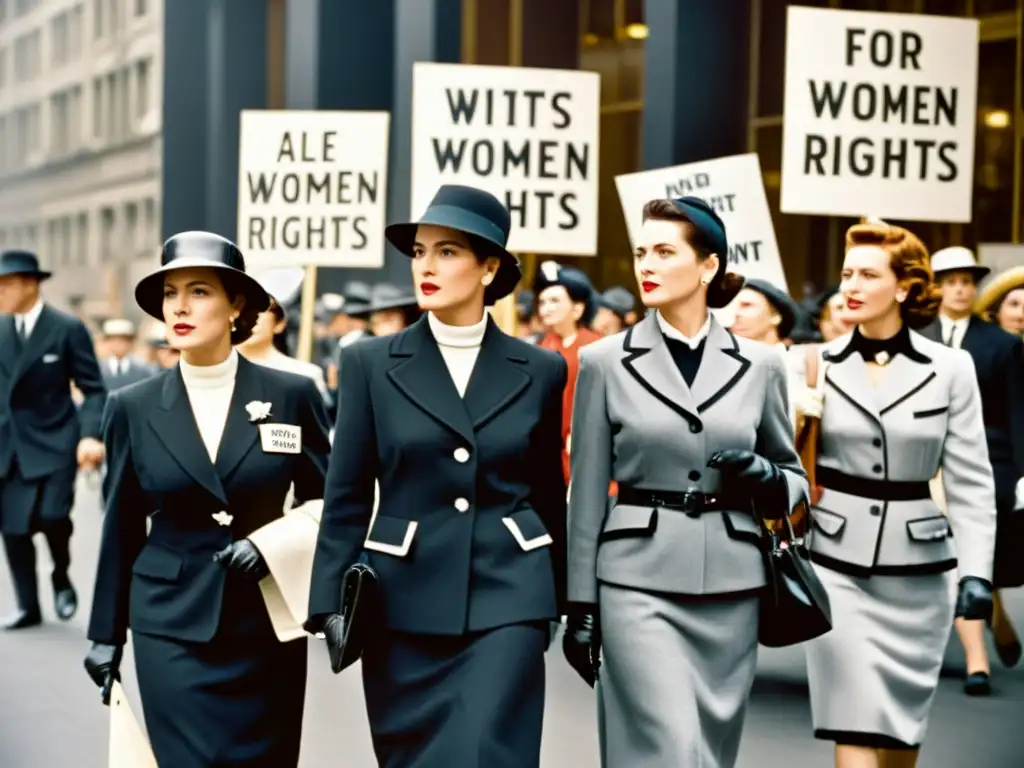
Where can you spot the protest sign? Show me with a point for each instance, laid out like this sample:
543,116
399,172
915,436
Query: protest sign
734,189
527,136
879,114
312,188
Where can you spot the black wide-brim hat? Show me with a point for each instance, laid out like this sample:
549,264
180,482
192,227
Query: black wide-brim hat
473,212
780,301
18,262
191,250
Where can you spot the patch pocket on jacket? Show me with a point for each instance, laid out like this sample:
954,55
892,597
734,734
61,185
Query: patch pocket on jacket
930,412
929,529
528,530
391,535
829,523
158,563
626,522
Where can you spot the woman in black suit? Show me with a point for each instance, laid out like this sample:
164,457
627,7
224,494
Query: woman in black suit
460,425
209,449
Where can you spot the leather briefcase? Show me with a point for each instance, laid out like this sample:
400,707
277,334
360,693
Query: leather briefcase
360,610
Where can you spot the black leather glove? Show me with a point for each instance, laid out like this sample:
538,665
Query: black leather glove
974,599
762,479
581,643
103,663
243,558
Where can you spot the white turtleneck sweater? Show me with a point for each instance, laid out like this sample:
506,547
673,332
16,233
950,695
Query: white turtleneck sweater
459,345
210,388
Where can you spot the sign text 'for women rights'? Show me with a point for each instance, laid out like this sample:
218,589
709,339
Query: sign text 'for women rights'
879,114
527,136
312,188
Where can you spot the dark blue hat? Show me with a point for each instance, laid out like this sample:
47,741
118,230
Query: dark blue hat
475,213
780,301
385,296
193,250
618,299
18,262
575,282
357,296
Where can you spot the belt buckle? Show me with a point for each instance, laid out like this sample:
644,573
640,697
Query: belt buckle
692,503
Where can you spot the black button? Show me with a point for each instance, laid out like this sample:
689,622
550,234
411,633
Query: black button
695,428
877,468
876,510
877,442
694,475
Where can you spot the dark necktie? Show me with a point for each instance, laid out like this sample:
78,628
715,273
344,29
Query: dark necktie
952,335
19,333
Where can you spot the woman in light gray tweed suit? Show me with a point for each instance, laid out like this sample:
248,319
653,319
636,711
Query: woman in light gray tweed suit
898,407
692,423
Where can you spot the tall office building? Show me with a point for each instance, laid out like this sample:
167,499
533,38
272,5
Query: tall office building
80,141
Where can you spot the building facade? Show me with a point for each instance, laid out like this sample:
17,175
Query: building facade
80,127
101,154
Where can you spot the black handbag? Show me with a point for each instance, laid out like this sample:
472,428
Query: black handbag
794,605
360,611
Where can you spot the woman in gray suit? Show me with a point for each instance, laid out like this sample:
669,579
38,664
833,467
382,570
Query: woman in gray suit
898,407
692,423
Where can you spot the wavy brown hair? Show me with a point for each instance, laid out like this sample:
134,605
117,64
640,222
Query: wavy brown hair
724,285
910,262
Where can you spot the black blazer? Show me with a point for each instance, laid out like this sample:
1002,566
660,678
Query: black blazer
39,424
167,584
470,529
999,362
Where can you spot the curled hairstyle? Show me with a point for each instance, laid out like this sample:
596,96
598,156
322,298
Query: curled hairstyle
234,287
910,262
724,286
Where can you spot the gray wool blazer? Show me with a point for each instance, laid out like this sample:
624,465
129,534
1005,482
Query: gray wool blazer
923,415
637,422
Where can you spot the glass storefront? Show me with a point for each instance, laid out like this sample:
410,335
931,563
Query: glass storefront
609,38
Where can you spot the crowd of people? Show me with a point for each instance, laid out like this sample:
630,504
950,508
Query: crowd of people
615,465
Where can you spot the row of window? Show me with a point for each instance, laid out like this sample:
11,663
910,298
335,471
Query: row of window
66,39
118,103
123,231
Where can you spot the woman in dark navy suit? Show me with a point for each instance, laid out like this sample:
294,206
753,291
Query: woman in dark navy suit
209,449
460,424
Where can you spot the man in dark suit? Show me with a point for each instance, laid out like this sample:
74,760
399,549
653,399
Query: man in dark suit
119,368
999,362
43,438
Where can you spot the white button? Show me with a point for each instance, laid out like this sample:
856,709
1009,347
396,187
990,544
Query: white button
461,455
461,504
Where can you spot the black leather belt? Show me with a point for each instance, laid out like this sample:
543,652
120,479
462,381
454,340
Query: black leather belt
693,503
872,488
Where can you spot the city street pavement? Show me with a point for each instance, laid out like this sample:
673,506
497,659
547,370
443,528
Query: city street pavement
50,713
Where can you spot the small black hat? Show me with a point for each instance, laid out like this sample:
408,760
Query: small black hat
357,296
384,296
472,212
198,249
781,302
619,300
19,262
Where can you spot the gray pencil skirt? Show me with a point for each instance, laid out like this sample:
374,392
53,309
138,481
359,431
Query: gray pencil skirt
873,677
675,677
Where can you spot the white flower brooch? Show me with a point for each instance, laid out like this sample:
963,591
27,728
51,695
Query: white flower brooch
257,411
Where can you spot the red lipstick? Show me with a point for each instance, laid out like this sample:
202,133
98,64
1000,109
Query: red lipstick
853,304
183,329
428,289
648,286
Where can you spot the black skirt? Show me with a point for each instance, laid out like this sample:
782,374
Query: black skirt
471,701
234,701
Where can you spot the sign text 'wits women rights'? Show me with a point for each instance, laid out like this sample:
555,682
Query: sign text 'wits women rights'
527,136
879,114
312,188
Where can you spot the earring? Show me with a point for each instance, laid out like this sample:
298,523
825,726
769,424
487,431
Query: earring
901,297
487,279
704,281
233,328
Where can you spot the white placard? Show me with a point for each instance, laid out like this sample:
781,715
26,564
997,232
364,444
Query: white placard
879,114
527,136
734,189
312,188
